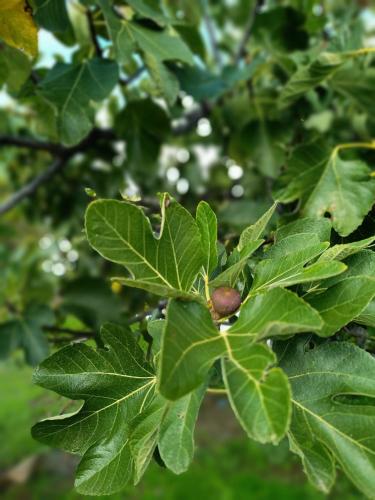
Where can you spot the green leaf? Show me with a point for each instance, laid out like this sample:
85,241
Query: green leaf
359,264
32,337
191,341
144,126
277,312
357,84
207,223
333,411
165,81
308,77
176,438
240,258
148,10
202,84
343,302
123,45
51,15
15,68
319,227
9,338
327,184
166,265
345,190
345,250
155,329
259,394
256,231
281,29
303,170
284,263
164,45
144,434
367,316
115,384
190,345
27,333
70,87
262,143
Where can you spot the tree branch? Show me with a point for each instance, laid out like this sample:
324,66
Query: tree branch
211,34
130,79
94,39
26,142
59,163
248,28
30,188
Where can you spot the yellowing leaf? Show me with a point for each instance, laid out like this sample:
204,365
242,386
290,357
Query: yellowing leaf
17,27
9,4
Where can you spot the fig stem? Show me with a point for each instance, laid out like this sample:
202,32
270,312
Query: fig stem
212,390
206,288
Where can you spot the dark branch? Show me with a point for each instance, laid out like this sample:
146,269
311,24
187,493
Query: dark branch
63,154
30,188
59,163
248,28
211,34
94,39
26,142
132,78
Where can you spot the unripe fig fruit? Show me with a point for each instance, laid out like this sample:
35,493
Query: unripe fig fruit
225,300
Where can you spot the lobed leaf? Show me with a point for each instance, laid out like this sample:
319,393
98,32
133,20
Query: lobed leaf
167,265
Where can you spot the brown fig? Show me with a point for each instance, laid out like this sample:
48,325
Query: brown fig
225,301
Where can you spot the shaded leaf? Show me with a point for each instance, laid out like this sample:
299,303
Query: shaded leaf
345,250
51,14
320,227
308,77
343,302
327,184
165,81
326,429
70,87
256,230
176,439
164,45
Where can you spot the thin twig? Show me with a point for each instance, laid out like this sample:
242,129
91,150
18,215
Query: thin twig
248,28
211,33
30,188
